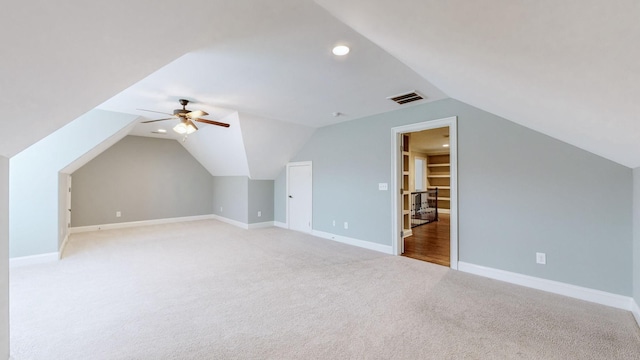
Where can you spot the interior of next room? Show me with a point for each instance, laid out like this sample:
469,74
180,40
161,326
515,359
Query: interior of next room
428,175
271,179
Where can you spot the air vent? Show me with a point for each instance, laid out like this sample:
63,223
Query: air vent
406,98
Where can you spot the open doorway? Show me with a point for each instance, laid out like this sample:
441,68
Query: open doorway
425,191
429,188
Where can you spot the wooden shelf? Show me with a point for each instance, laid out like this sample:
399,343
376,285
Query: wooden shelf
439,176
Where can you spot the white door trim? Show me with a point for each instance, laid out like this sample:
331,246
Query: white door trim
286,195
396,132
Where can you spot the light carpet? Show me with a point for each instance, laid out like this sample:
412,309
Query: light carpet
208,290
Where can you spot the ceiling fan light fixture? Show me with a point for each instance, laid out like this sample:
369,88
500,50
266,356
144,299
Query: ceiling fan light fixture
183,129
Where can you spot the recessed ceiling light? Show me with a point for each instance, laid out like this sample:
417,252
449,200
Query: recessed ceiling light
340,50
445,145
162,131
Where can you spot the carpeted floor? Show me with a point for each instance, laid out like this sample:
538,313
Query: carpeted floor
208,290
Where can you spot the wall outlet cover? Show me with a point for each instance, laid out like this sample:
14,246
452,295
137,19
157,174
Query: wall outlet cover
541,258
383,186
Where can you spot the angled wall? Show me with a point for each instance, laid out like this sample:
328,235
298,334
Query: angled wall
270,143
520,192
220,150
143,179
34,189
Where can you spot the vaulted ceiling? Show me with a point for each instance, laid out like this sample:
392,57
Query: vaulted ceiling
569,69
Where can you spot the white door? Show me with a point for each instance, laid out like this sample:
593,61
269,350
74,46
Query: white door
299,196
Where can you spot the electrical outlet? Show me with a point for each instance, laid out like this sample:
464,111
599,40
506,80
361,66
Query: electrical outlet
383,186
346,225
541,258
118,214
220,208
259,213
334,223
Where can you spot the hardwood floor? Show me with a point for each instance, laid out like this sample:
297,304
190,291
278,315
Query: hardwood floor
430,242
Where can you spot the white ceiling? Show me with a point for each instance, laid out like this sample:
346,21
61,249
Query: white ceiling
570,69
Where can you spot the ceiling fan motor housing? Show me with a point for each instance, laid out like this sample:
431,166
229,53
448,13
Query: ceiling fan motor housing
181,112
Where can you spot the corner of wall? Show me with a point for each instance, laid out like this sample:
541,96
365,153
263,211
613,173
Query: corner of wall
636,242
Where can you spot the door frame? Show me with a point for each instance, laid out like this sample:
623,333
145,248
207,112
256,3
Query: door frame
286,195
396,172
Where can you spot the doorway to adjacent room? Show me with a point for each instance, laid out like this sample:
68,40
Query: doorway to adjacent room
425,201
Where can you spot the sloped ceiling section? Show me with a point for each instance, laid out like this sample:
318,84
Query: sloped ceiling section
270,144
53,51
220,150
569,69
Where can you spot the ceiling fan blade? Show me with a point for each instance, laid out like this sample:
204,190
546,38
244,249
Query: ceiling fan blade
212,122
159,112
150,121
192,124
196,114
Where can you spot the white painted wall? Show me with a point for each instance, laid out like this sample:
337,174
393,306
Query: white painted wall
270,144
220,150
34,190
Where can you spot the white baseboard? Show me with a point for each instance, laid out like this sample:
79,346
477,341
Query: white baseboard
79,229
34,259
231,221
556,287
635,310
280,224
262,225
355,242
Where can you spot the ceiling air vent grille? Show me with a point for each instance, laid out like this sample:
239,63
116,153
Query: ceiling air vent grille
406,98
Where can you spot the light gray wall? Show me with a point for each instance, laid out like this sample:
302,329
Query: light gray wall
230,197
520,192
34,190
280,197
143,178
636,235
63,229
4,257
260,199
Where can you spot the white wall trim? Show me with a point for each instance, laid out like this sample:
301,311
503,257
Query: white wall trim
280,224
231,221
79,229
452,123
64,245
556,287
261,225
355,242
635,310
34,259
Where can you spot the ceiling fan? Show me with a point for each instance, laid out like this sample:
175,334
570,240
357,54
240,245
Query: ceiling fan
187,118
